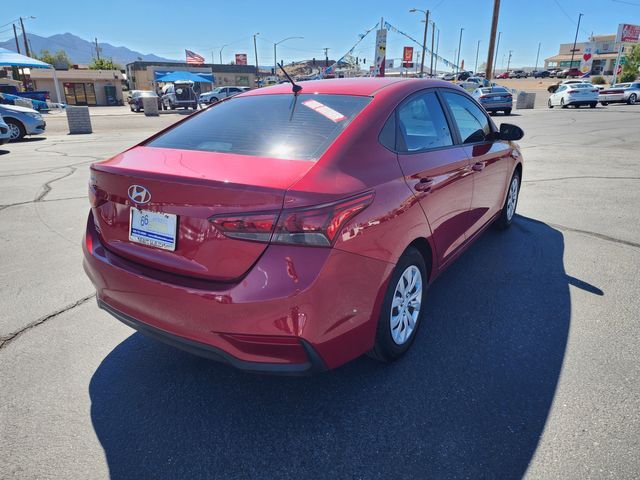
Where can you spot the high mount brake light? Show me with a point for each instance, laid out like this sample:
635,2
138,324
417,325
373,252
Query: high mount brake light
316,226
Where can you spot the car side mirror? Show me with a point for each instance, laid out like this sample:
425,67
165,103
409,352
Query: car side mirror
510,132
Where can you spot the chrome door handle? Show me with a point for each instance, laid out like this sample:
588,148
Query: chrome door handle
424,185
478,166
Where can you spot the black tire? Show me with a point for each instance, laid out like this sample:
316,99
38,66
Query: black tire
593,105
13,126
504,221
385,348
549,104
212,100
604,104
131,108
138,108
633,98
507,111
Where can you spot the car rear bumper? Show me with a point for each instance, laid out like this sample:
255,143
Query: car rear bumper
297,310
613,98
581,101
489,107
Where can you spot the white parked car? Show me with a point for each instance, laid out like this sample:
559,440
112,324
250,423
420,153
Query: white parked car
575,94
219,93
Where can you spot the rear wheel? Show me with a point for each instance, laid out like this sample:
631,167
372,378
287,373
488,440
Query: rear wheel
593,105
511,202
562,103
16,129
402,309
633,98
507,111
604,104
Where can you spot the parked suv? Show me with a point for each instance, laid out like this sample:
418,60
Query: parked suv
135,99
569,73
179,94
518,74
219,93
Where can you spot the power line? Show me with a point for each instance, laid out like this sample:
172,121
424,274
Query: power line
569,17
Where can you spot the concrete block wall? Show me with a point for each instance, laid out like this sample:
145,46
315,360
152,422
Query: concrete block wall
78,119
150,106
525,100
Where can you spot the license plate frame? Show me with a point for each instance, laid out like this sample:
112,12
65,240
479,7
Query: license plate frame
153,229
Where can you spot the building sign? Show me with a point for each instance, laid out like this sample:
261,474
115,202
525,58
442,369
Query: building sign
628,33
381,52
586,61
407,57
241,58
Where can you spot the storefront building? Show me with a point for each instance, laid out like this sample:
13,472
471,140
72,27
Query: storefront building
604,57
81,87
145,75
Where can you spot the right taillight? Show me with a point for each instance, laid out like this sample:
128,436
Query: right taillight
315,226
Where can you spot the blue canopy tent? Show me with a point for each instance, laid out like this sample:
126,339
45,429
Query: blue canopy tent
184,75
13,59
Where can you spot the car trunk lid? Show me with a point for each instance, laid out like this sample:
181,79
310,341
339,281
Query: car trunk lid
193,186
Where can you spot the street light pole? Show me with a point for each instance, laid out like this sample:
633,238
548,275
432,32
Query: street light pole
437,50
424,37
458,59
255,51
275,53
222,48
509,61
475,70
433,36
573,50
537,57
495,61
491,68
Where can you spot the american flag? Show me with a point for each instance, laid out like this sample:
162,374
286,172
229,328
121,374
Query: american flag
193,57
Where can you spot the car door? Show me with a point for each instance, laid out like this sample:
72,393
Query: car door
489,158
435,168
558,95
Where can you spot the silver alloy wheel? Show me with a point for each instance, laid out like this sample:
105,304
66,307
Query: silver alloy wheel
512,198
405,306
14,131
632,99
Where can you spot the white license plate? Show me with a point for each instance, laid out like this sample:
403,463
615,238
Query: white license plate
153,228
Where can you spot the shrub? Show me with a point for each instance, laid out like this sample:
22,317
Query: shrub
598,80
627,77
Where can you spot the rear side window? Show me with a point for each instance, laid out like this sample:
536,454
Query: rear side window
422,124
472,123
282,126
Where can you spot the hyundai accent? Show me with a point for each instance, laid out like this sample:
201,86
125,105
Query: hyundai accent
291,230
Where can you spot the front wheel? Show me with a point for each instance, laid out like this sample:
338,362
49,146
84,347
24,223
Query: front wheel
507,111
604,104
633,98
511,202
593,105
16,129
549,104
402,309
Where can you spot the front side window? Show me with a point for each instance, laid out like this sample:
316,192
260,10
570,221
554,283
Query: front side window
472,123
279,126
422,124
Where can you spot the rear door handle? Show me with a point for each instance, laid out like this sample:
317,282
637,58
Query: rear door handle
478,166
424,185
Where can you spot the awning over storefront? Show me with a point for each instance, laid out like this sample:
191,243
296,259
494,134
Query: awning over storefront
13,59
176,76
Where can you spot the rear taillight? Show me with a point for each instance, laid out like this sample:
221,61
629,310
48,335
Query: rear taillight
572,91
316,226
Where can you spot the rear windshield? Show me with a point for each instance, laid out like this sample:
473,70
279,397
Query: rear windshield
495,90
280,126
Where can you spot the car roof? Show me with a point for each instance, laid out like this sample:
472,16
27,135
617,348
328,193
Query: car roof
364,86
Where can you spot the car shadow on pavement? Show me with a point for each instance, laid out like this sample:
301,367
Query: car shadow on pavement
469,400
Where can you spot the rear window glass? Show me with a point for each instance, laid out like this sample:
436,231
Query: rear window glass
280,126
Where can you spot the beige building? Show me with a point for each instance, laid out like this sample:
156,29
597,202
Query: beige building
604,58
144,75
81,87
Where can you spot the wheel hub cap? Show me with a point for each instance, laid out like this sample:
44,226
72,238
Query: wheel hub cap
14,131
405,306
512,199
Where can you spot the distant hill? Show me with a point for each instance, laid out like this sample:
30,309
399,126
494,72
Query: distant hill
81,51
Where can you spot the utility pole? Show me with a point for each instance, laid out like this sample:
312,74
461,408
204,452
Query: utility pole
573,50
490,70
255,51
15,35
537,56
495,62
437,50
424,37
275,54
97,49
24,36
475,70
458,59
433,36
509,61
326,56
222,48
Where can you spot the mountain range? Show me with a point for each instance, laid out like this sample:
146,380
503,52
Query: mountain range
81,51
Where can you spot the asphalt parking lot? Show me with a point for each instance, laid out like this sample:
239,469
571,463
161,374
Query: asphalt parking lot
527,365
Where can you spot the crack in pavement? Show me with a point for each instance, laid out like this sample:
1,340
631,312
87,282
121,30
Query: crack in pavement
6,339
46,187
17,204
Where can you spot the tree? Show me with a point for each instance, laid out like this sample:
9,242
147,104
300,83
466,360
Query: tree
104,64
630,69
60,60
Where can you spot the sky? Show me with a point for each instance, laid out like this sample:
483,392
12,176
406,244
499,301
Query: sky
168,28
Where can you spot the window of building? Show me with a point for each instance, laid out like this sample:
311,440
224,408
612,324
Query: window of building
242,80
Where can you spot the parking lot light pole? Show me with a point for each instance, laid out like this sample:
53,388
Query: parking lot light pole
475,70
424,37
222,48
433,37
573,50
458,58
255,51
537,57
275,52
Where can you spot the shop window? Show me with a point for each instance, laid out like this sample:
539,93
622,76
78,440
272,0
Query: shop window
242,80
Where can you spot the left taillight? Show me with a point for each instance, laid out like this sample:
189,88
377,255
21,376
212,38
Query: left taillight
314,226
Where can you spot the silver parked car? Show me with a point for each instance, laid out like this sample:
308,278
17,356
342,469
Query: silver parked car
628,93
5,136
219,93
22,121
494,99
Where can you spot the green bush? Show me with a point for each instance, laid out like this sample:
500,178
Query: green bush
598,80
627,77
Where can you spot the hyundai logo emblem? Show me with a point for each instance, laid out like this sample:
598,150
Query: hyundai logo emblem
139,194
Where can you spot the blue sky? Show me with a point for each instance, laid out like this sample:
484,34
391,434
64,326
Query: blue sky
166,30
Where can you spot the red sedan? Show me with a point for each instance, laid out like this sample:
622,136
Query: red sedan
292,232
